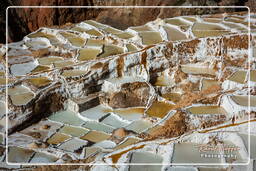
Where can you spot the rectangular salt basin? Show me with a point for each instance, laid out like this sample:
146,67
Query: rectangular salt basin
73,131
150,37
174,34
129,113
197,69
139,126
73,144
244,100
67,117
238,76
207,110
58,138
146,157
97,126
95,136
2,108
159,109
19,155
114,121
109,50
95,113
43,158
189,153
126,142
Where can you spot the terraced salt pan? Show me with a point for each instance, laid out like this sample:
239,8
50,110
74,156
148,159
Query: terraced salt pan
20,95
114,121
64,63
208,30
97,126
198,69
131,47
129,113
207,110
73,131
127,142
58,138
23,68
94,113
95,24
244,100
43,158
125,35
109,50
38,43
19,155
73,144
174,34
67,117
73,73
238,76
150,37
159,109
95,136
51,37
40,68
39,81
49,60
139,126
74,39
88,54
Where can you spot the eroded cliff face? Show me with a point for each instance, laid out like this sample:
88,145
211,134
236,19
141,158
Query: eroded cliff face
24,21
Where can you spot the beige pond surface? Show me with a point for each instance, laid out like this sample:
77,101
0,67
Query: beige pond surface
43,158
41,68
207,110
19,155
73,131
95,42
49,60
93,32
174,34
197,69
61,64
243,100
129,113
177,22
73,39
20,95
207,83
238,76
163,80
40,81
67,117
73,73
213,20
125,35
58,138
95,136
159,109
208,30
88,54
131,47
112,30
51,37
189,153
109,50
150,37
253,75
127,142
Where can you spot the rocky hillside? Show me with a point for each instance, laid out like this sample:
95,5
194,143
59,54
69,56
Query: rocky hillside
24,21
